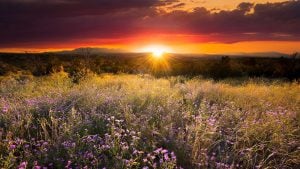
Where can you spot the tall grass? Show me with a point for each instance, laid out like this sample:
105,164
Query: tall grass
138,121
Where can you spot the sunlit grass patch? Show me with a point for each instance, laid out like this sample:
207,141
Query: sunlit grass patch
136,121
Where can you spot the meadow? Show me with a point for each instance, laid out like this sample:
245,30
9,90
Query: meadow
141,121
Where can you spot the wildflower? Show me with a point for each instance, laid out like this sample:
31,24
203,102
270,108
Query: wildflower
164,151
148,155
68,164
173,156
153,157
68,144
45,143
12,147
5,108
158,150
166,157
36,166
94,162
23,165
218,165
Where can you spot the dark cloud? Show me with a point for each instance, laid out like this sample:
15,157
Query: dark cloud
53,20
29,21
72,8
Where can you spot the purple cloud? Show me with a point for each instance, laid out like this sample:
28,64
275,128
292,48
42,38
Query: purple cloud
33,21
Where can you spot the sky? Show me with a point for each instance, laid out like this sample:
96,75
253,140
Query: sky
183,26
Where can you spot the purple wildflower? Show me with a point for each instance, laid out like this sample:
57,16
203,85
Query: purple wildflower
166,157
12,147
23,165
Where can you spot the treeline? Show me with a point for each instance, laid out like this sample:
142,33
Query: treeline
77,65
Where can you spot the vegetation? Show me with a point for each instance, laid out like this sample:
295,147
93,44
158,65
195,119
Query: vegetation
217,67
142,121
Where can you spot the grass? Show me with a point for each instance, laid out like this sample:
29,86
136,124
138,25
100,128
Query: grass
139,121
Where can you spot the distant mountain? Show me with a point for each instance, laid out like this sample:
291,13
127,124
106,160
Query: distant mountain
90,50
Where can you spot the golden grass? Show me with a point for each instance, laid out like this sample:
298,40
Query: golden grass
207,124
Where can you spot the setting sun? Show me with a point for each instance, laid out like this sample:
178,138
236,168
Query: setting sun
157,51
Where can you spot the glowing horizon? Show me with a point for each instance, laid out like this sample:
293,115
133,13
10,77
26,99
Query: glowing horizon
203,48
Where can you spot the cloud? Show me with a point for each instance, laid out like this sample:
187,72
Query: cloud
245,23
71,8
33,21
53,20
178,5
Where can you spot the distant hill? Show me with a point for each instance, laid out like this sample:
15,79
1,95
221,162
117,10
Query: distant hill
90,50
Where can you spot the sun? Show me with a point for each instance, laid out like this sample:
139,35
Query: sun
157,51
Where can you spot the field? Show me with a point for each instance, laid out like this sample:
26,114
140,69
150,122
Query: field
142,121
